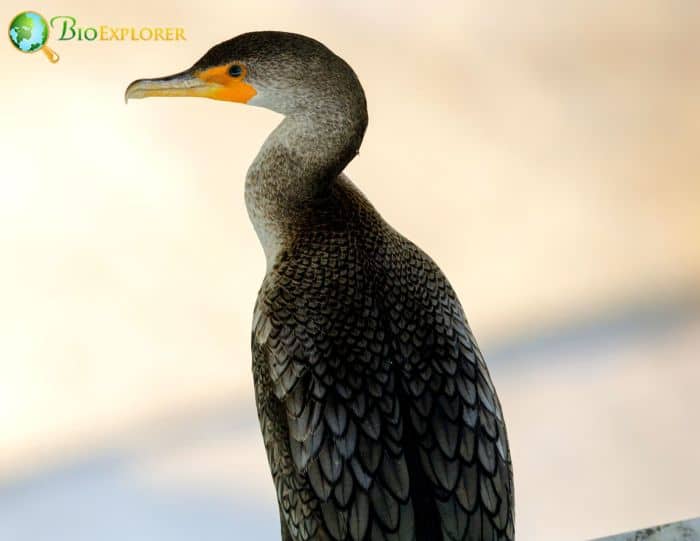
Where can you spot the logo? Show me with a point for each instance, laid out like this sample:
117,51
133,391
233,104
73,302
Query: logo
29,33
68,29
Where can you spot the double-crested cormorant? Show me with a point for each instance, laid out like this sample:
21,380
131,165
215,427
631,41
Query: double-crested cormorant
376,407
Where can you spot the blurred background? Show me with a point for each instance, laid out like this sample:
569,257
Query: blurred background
544,153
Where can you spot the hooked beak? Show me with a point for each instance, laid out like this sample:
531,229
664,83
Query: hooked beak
211,83
180,84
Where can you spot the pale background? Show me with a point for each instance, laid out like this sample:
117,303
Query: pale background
544,153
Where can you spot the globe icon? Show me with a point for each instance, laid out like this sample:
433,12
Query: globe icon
29,32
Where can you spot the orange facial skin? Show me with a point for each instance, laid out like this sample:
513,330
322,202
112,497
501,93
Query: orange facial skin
215,83
223,86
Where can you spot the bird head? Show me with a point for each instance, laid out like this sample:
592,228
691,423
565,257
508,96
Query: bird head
284,72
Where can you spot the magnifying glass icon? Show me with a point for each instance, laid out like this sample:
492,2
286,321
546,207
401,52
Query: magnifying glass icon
29,33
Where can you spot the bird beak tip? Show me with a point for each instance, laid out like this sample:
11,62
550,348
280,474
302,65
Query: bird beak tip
130,91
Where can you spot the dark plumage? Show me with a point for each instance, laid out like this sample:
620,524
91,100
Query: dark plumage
377,410
378,413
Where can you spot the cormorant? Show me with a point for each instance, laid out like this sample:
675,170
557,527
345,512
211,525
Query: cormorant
377,411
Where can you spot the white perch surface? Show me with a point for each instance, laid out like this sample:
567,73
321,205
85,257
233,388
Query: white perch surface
686,530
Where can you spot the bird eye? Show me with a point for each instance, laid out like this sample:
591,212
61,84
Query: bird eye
235,70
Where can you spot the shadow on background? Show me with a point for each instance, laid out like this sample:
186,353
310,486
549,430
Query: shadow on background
202,474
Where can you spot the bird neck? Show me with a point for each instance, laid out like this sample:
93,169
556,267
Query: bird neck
295,167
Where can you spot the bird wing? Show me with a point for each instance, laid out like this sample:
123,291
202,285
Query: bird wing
453,412
393,426
319,338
